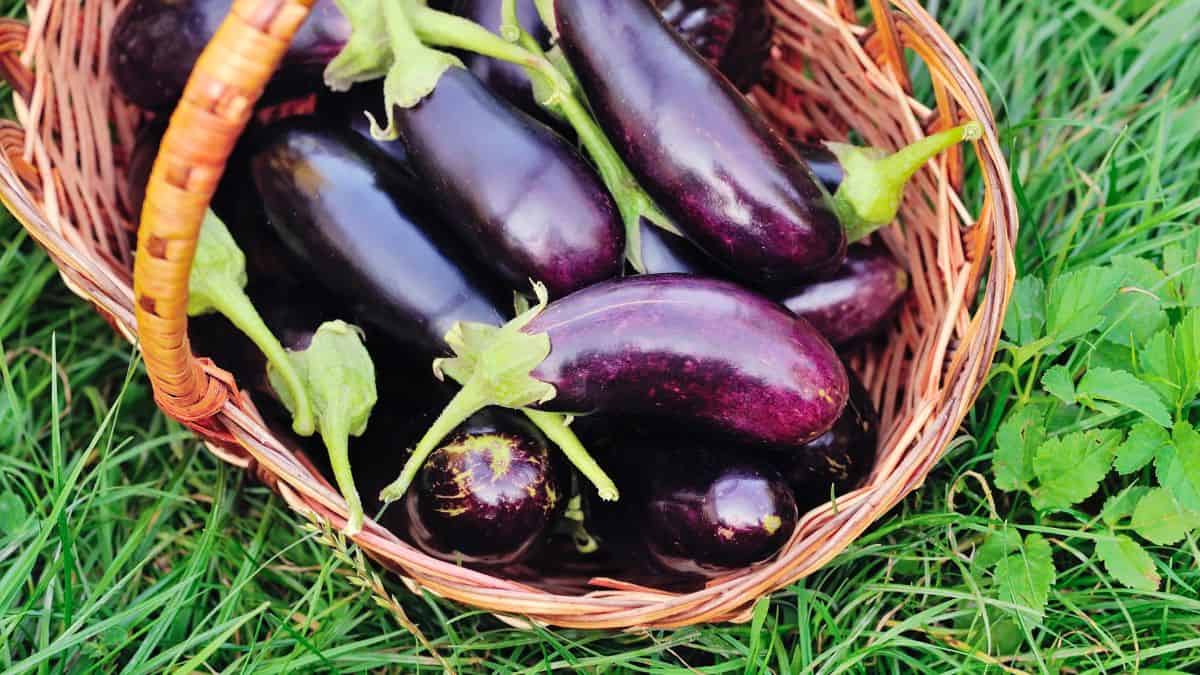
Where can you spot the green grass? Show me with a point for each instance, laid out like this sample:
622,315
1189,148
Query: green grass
124,545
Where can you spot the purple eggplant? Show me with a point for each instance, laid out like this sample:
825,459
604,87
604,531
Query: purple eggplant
488,494
346,109
858,300
155,44
524,199
359,227
839,459
732,35
728,179
699,351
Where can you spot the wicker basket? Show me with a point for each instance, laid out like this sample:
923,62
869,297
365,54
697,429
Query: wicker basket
61,168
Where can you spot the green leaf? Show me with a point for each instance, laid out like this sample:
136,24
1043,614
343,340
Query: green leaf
1120,506
998,544
1059,383
1159,519
1171,361
1024,578
1124,389
1137,312
1178,466
1128,562
1069,468
12,513
1181,260
1026,315
1016,441
1076,300
1141,446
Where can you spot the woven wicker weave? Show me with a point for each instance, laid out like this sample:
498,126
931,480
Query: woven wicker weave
61,167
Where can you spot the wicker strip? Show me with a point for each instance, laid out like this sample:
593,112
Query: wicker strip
62,164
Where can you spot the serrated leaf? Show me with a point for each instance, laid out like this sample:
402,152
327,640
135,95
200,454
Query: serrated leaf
1140,447
1181,261
1128,563
1069,468
1076,300
1178,466
1170,361
998,544
1026,315
1120,506
1159,519
1058,382
1016,441
1024,578
1137,312
1112,355
1125,390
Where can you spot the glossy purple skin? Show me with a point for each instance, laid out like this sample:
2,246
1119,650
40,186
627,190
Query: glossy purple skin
693,349
489,493
858,300
520,196
733,35
717,515
840,458
664,252
359,228
503,77
712,162
346,109
155,44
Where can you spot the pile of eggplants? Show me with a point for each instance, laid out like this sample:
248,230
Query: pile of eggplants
605,301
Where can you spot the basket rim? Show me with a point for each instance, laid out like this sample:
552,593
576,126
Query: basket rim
236,435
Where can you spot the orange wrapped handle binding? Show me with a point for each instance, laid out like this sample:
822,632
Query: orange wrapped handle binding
217,103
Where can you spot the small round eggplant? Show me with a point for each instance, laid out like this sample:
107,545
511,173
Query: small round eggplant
733,35
858,300
707,157
717,514
488,494
155,44
840,458
506,79
522,198
358,227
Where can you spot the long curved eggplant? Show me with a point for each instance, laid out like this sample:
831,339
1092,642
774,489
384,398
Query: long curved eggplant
733,35
524,200
840,458
699,351
709,159
856,301
360,228
155,44
488,494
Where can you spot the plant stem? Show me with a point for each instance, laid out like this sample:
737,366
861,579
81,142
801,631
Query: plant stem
335,431
554,425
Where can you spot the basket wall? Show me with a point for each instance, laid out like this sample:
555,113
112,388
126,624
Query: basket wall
62,163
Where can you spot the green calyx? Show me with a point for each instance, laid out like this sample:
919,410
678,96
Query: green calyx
494,366
870,194
217,284
337,372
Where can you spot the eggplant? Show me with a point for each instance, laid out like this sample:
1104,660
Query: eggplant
839,459
347,109
155,44
488,495
699,351
732,35
730,182
525,201
505,78
858,300
360,228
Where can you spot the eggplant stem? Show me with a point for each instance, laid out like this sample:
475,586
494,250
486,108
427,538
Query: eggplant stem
555,426
335,431
233,303
870,195
510,25
469,400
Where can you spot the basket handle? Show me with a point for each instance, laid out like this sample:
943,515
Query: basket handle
216,106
